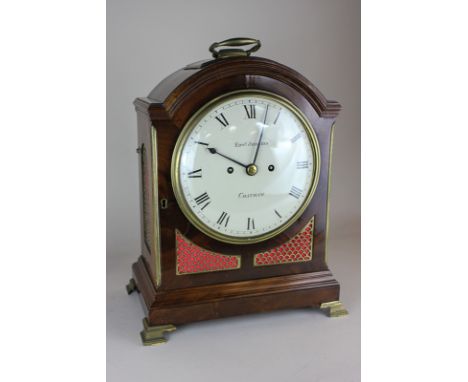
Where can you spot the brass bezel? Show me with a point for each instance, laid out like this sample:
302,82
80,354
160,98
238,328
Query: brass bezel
187,129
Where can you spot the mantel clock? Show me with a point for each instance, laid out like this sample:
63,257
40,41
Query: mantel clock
234,157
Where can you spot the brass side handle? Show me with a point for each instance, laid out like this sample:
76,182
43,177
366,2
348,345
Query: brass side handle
237,41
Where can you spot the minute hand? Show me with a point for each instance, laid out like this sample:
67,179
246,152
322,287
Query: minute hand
214,151
261,136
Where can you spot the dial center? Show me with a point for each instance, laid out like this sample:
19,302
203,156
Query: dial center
252,170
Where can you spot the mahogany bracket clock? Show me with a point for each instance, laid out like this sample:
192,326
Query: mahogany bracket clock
234,157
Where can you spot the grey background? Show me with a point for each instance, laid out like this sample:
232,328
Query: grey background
148,40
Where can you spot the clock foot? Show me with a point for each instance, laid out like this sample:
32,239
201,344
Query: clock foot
131,286
154,335
334,309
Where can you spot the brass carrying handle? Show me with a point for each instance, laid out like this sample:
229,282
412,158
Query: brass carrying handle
237,41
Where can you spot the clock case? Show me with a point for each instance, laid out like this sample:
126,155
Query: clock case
170,298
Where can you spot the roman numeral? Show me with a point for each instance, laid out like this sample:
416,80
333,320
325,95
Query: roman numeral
202,199
295,192
302,164
202,143
250,223
278,214
224,216
195,174
205,206
250,114
296,137
222,119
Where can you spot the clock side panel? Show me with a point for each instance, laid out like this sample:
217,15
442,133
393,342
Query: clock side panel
149,209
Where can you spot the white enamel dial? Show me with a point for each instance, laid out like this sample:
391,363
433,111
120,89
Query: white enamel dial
245,167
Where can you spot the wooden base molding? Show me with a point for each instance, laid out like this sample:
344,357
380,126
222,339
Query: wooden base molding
166,308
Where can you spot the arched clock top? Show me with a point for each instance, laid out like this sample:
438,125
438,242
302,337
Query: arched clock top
208,79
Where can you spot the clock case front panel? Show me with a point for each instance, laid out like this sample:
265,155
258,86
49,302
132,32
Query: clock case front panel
172,298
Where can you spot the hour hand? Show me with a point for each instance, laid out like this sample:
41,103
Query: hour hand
214,151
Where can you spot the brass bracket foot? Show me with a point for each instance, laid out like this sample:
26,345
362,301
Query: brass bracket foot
131,286
334,309
154,335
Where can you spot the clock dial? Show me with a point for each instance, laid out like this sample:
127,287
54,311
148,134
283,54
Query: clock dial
245,167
